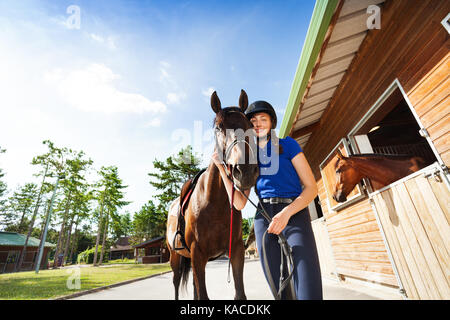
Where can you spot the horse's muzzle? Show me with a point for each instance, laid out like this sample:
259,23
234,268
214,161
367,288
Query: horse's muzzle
245,175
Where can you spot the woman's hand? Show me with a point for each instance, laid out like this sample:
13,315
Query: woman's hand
279,222
239,199
216,160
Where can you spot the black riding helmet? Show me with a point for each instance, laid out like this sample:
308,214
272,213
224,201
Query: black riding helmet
262,106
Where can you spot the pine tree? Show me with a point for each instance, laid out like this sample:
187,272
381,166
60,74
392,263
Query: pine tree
4,217
110,198
173,173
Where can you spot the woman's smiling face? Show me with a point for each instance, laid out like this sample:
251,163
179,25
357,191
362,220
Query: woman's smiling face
262,124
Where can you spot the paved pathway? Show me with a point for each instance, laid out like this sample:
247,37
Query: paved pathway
161,287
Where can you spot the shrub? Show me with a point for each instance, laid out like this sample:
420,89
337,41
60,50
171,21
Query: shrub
87,256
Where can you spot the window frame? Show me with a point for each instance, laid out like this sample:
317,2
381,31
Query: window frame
360,194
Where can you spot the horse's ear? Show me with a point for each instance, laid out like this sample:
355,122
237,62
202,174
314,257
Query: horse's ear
243,101
215,102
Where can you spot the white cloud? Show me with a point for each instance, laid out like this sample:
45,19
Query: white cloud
155,122
175,98
165,64
96,37
92,89
108,41
208,92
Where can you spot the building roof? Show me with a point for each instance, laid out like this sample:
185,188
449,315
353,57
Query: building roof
145,243
122,244
335,33
17,239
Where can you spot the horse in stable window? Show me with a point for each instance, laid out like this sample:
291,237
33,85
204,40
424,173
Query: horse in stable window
205,234
381,169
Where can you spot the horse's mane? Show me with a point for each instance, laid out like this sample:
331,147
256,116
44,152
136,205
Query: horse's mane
379,157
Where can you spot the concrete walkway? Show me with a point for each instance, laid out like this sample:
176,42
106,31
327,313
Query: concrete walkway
161,287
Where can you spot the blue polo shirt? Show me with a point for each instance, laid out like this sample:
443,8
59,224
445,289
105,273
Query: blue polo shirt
277,175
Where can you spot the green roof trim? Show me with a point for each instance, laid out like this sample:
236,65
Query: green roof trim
318,26
17,239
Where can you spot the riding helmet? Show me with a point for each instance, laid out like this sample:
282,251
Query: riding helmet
262,106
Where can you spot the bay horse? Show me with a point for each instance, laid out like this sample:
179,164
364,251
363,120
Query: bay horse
207,217
380,168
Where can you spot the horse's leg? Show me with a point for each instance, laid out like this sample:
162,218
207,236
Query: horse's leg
175,265
237,263
195,291
199,261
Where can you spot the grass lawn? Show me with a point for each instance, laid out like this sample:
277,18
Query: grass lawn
54,283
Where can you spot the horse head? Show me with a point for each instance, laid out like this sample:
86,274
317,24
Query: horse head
235,141
346,177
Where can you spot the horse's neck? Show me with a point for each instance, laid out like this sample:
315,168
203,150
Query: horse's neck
214,183
384,171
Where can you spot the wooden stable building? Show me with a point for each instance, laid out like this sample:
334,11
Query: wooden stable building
122,249
152,251
373,77
11,246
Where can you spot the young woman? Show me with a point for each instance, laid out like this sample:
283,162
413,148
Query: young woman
280,189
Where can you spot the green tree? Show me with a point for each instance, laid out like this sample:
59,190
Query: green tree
246,225
52,164
3,188
73,185
110,197
81,209
20,204
149,222
121,225
173,173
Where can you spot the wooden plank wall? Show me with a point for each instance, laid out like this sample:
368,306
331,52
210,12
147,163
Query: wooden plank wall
430,99
415,218
327,266
357,245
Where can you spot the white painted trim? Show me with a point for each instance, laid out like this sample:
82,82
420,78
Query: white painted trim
359,186
446,23
402,290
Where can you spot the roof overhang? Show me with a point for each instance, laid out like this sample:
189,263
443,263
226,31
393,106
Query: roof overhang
148,242
335,33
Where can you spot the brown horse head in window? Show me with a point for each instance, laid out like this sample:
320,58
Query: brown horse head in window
382,169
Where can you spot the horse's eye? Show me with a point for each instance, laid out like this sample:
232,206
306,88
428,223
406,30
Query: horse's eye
338,171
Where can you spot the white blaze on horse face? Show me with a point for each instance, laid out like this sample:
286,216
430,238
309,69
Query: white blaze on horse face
232,158
241,146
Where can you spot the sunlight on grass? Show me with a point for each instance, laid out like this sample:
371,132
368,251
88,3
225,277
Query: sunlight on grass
54,283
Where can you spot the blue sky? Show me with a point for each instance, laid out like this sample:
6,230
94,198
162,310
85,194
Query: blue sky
133,82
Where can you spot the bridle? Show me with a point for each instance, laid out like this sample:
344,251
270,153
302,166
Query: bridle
229,148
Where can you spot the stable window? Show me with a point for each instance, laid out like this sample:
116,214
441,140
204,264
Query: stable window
391,128
329,178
